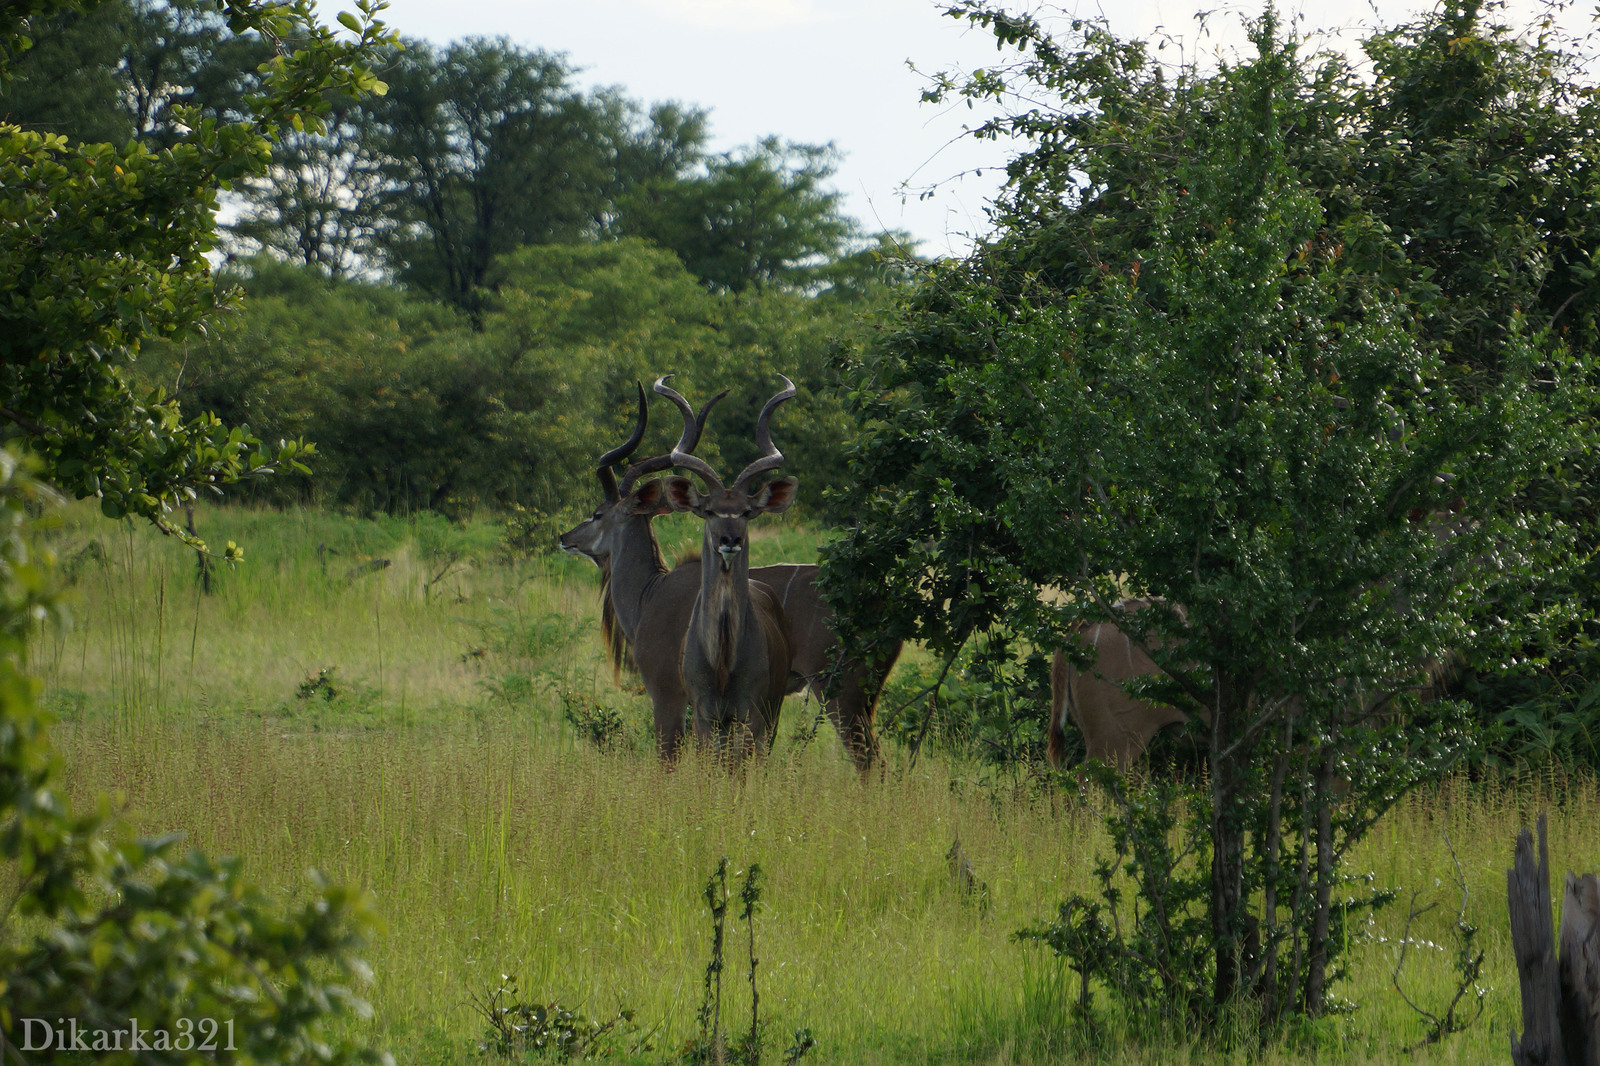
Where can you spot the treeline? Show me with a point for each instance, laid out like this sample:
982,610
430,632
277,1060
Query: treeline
416,405
475,149
454,285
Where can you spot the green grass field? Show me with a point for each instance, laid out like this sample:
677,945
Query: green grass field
402,725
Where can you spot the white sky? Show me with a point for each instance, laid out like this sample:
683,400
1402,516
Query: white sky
836,70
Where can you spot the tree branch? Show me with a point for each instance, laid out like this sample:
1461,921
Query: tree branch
26,423
932,692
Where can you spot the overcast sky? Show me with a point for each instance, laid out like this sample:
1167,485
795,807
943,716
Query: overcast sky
834,70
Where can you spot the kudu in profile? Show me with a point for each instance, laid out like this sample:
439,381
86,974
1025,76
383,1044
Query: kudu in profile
736,651
646,607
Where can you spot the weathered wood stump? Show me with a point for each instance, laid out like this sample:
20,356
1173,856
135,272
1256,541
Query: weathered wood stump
1560,993
1580,970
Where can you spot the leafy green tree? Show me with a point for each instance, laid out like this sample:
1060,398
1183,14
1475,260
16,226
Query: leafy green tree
1190,367
104,250
1479,151
129,68
182,54
884,263
488,148
321,203
480,149
756,218
67,81
123,71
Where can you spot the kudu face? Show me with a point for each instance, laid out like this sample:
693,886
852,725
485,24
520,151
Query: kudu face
727,514
736,655
625,513
597,537
591,536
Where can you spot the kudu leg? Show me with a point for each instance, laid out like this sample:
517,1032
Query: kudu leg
852,718
854,709
733,742
669,728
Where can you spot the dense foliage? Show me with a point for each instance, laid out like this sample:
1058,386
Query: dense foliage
476,295
103,250
1270,343
413,407
108,937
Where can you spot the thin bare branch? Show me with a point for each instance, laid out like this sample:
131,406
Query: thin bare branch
932,692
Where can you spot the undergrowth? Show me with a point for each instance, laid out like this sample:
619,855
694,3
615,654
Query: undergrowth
500,796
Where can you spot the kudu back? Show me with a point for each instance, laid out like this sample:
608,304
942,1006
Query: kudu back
736,655
646,607
1116,727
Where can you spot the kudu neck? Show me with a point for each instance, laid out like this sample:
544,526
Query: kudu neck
636,565
724,583
722,611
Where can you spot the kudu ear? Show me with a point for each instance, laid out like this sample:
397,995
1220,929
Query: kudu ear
775,496
680,493
649,499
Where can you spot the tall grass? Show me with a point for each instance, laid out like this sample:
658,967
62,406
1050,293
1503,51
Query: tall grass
441,775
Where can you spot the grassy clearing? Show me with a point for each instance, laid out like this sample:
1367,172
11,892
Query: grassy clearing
435,766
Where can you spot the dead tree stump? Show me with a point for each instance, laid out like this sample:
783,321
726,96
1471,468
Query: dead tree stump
1580,970
1560,994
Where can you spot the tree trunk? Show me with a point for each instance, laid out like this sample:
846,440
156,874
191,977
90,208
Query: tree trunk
1528,895
1322,914
1302,890
1580,970
1227,843
1265,972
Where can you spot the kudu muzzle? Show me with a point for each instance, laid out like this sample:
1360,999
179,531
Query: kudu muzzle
729,547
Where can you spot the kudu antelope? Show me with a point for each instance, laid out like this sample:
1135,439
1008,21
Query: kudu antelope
646,607
1116,727
736,651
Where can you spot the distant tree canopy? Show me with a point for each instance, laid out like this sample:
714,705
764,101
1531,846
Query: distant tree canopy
488,147
758,218
480,147
414,405
484,147
118,70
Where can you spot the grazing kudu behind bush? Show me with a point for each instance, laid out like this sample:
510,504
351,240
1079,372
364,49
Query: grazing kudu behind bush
736,651
646,608
1116,727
